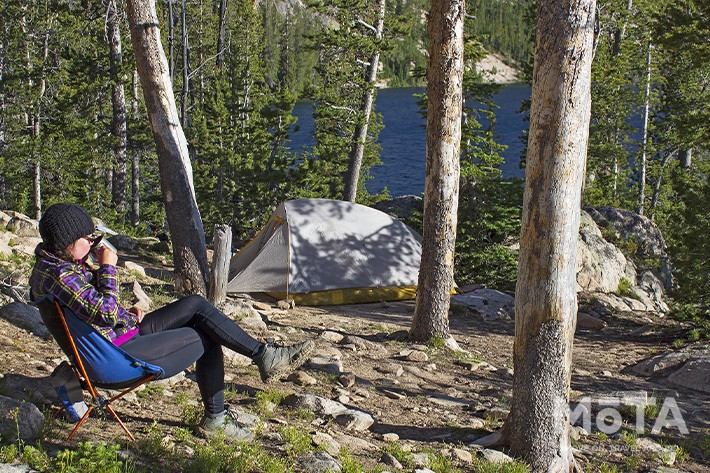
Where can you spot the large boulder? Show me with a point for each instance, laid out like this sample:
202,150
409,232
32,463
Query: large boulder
639,235
600,265
25,316
401,207
20,419
24,227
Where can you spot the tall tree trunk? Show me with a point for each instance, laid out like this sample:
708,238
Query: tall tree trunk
171,41
185,67
443,145
222,27
360,135
187,232
135,160
118,102
644,143
686,158
537,428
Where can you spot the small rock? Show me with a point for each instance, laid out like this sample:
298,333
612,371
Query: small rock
587,322
319,462
286,304
421,460
390,437
414,355
394,395
134,267
665,454
462,455
606,374
344,399
326,442
301,378
260,305
390,460
331,336
423,470
354,420
494,456
23,226
326,363
430,367
140,298
347,380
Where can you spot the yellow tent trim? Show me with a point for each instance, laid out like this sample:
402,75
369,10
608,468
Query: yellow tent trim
351,296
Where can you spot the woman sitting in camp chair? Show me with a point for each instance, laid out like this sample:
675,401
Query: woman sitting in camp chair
173,337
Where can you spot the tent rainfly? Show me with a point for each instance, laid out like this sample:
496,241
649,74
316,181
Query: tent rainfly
323,252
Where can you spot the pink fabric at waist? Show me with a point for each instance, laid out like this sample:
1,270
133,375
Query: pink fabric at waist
121,339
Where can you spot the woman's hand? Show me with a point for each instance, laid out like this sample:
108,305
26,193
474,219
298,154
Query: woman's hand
138,312
106,256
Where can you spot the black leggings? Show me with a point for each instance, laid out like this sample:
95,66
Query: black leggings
192,330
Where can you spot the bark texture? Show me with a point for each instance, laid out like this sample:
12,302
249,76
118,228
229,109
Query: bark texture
443,143
118,103
184,221
537,428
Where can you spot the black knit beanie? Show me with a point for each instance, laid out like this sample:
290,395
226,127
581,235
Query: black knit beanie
62,224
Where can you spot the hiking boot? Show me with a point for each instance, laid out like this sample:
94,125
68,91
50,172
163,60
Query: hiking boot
275,360
225,424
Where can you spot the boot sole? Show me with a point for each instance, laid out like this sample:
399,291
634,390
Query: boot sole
296,363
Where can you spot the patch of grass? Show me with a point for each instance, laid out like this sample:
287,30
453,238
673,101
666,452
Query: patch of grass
625,289
297,441
437,341
403,456
151,391
441,463
267,400
632,463
9,453
218,455
607,468
348,464
182,434
483,466
678,343
629,438
190,410
91,458
305,415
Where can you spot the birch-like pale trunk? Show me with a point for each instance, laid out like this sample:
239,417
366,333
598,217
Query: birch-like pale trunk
171,41
118,103
135,160
360,134
644,143
443,145
185,67
184,221
537,428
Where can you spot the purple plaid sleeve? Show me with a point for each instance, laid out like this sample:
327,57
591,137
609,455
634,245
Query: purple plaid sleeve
92,297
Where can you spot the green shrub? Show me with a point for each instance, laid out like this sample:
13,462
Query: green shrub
91,458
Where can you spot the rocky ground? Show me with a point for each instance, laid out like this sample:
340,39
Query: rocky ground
420,398
391,404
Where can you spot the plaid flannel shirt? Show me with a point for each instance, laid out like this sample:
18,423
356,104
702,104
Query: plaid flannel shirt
92,296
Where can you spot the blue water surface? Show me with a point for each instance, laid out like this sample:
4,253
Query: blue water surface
403,138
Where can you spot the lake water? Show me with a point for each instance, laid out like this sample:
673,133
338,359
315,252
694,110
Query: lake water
403,138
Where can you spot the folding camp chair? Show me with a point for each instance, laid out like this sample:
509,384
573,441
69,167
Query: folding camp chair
95,360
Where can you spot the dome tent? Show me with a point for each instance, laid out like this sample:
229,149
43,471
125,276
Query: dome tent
320,252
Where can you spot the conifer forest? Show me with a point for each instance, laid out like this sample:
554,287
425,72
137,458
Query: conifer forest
74,127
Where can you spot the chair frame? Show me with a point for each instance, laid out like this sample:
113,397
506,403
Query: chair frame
97,400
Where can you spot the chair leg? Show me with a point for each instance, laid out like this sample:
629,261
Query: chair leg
120,422
81,421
